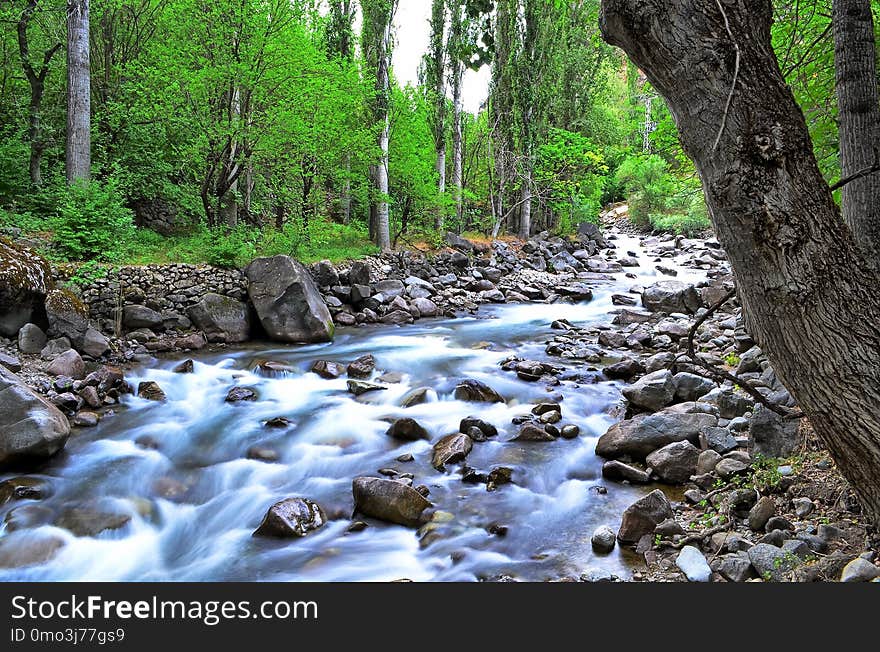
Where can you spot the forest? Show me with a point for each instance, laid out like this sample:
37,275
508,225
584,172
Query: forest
454,290
239,128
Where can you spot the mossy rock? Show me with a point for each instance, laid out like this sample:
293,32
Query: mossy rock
66,314
25,279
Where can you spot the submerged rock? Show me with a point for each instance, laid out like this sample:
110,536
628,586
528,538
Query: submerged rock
389,500
151,391
291,517
450,449
407,429
239,394
475,391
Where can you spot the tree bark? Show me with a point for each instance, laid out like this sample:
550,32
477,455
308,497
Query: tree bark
525,209
457,148
859,118
78,155
809,295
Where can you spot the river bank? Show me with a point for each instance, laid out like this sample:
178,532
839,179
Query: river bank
177,486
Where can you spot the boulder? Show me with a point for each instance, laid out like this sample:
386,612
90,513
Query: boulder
359,274
452,448
603,540
240,394
772,563
618,471
93,343
360,387
476,392
772,436
691,387
670,297
533,432
31,339
468,424
643,516
25,279
859,570
674,463
325,274
287,301
693,564
68,317
11,362
363,367
291,518
761,512
426,307
151,391
652,392
68,364
137,316
389,500
407,429
645,433
221,318
327,369
90,519
31,428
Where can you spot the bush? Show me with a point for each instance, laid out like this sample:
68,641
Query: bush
648,185
91,222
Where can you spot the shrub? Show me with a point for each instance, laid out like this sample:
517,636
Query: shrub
648,186
91,222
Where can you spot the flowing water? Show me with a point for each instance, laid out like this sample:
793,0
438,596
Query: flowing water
215,497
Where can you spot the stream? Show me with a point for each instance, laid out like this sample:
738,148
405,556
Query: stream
195,500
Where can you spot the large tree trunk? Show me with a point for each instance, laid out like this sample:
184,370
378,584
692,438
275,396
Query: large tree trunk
79,161
383,222
809,295
457,148
859,116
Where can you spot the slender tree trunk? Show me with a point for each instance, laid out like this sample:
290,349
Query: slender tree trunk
859,116
345,199
79,161
525,209
441,182
809,295
383,222
435,66
457,149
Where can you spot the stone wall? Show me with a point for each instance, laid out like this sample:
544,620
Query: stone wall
167,289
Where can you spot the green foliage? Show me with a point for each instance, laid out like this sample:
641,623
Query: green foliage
648,186
91,221
731,359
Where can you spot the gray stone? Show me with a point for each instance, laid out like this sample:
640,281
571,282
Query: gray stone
690,387
31,428
803,506
674,463
68,364
670,297
706,461
94,343
221,318
762,511
603,540
729,467
720,440
772,563
426,307
138,316
451,449
693,564
287,301
407,429
291,518
772,436
736,568
643,516
477,392
389,500
618,471
645,433
25,279
652,392
31,339
859,570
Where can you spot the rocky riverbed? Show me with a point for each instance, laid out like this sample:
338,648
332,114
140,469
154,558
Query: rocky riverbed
505,411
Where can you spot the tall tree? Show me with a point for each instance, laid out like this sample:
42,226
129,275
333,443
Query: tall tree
859,119
458,52
433,78
79,121
377,42
36,78
808,292
340,33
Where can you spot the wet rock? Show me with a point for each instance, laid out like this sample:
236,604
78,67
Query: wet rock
624,370
603,540
360,387
363,367
859,570
68,364
772,436
239,394
407,429
287,301
397,317
476,392
291,518
415,396
27,516
388,500
652,392
670,297
452,448
674,463
693,564
690,387
221,318
262,454
273,369
91,520
643,516
28,548
151,391
772,563
645,433
763,510
533,432
86,419
185,367
498,476
31,339
31,428
618,471
24,488
278,422
570,431
486,429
